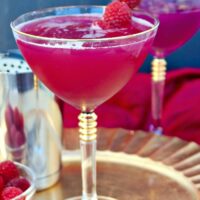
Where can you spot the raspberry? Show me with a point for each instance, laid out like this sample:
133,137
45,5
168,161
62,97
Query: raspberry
9,193
117,15
20,182
101,24
131,3
1,183
8,170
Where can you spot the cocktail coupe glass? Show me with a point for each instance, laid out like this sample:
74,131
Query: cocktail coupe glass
84,72
179,21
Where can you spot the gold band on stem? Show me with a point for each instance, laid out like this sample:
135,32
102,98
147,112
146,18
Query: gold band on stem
159,69
87,124
36,83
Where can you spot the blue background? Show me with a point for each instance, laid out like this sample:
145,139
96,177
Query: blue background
188,55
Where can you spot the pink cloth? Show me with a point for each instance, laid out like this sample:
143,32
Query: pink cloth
131,107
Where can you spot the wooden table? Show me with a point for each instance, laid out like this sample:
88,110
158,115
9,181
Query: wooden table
132,165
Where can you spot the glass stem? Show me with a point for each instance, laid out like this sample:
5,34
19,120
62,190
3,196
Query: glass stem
158,84
87,124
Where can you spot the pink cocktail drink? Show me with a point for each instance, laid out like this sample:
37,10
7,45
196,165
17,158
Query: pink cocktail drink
84,73
85,57
175,29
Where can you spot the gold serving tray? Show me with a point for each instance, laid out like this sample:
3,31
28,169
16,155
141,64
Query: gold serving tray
132,165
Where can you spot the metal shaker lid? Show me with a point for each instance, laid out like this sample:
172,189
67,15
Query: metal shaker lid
16,70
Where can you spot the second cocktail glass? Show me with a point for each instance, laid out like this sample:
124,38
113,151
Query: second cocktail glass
179,21
83,65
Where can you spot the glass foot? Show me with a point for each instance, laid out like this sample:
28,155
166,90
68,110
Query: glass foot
99,198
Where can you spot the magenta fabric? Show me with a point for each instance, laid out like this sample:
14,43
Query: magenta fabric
131,107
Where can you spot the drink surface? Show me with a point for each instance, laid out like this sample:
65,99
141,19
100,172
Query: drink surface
78,27
83,73
175,29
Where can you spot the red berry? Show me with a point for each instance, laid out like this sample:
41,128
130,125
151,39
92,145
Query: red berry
131,3
10,192
1,183
101,23
20,182
8,170
117,15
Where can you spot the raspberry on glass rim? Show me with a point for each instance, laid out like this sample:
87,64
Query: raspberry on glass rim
118,14
131,3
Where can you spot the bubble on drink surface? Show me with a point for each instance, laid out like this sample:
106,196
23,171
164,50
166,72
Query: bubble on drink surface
95,31
93,35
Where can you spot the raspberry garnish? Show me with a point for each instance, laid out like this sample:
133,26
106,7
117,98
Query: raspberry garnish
8,170
117,15
101,24
9,193
1,183
131,3
20,182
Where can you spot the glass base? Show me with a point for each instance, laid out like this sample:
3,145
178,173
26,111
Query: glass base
99,198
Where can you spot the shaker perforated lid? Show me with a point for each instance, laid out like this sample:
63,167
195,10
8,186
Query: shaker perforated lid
12,64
